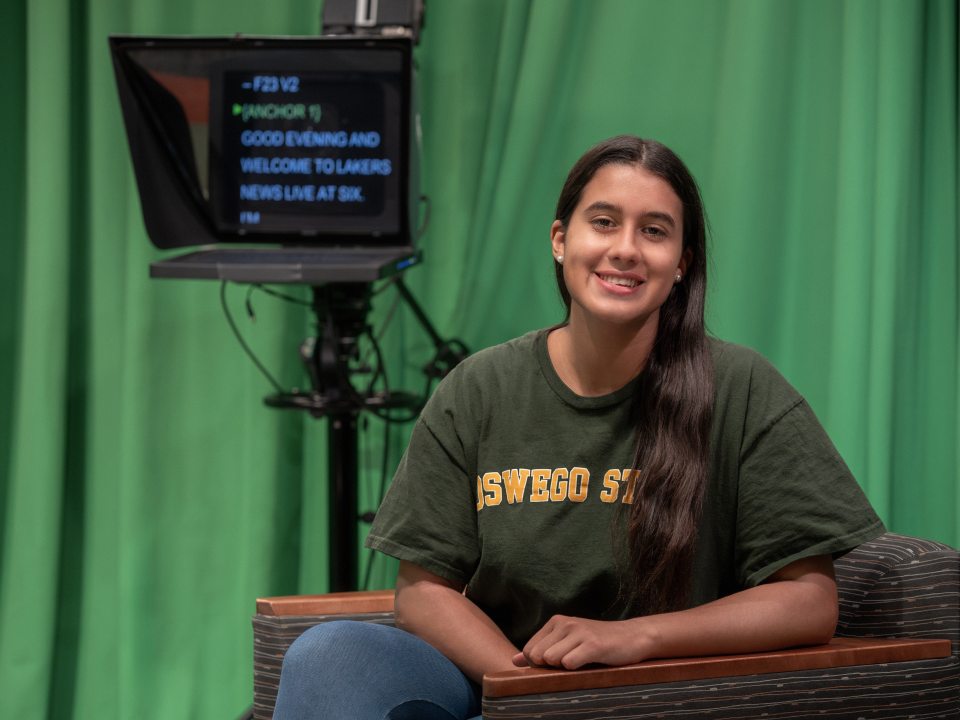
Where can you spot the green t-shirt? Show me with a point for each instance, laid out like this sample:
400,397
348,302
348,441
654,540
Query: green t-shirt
516,486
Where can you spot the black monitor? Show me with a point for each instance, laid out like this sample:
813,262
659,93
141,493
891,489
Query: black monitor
280,141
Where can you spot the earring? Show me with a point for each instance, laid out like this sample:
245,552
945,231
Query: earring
560,259
677,277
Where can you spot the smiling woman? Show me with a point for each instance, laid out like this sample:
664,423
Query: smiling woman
623,249
631,212
614,488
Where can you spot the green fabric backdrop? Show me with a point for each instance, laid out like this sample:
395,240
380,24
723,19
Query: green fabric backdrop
146,494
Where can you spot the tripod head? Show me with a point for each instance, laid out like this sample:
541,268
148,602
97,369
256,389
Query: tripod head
331,357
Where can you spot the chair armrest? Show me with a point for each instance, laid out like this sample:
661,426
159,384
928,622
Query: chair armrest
839,652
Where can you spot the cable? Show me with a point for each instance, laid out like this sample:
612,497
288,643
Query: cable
425,199
243,343
390,313
343,377
249,305
386,284
380,370
383,328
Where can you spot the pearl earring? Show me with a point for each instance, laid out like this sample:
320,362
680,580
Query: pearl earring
560,259
677,277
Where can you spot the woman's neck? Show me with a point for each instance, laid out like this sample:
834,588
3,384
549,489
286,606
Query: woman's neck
593,359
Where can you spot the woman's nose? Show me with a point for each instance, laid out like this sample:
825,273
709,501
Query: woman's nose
624,246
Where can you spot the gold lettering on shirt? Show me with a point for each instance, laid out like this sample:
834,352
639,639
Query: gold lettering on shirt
515,484
611,486
629,478
538,485
493,494
579,483
558,485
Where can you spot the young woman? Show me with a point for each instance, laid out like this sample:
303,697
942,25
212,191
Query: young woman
615,488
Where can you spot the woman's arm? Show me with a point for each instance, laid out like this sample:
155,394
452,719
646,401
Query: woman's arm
435,609
795,606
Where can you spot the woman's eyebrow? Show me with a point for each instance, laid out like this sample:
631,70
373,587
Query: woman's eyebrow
604,206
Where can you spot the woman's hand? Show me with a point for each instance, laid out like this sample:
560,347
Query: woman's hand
572,642
797,605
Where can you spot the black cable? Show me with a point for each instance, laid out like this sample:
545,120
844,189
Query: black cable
343,376
381,366
385,413
386,320
429,384
386,284
425,199
243,343
379,372
391,311
448,352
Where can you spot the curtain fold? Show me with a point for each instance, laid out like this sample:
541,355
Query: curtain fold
147,496
33,526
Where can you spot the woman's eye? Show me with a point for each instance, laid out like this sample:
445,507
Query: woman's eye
602,223
655,231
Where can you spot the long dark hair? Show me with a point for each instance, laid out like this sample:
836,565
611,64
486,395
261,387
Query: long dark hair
674,401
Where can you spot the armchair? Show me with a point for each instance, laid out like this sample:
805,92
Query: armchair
896,654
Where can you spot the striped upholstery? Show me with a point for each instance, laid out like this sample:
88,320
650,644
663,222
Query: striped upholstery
893,586
272,635
897,586
920,689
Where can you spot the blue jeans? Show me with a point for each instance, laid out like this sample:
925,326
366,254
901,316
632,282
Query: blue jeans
361,671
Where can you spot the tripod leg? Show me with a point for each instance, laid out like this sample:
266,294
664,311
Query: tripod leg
343,478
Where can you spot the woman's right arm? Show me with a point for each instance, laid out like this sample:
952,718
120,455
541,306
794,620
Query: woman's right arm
436,610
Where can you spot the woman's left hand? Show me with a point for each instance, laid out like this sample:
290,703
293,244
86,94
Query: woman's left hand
572,642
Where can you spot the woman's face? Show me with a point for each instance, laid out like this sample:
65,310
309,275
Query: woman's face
622,247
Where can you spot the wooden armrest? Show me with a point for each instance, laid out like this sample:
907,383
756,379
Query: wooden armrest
342,603
839,652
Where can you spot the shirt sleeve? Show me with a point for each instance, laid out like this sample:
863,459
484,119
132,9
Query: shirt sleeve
796,496
428,516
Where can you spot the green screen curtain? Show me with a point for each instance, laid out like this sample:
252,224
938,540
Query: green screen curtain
147,496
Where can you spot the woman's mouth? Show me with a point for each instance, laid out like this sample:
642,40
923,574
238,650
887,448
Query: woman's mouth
619,280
